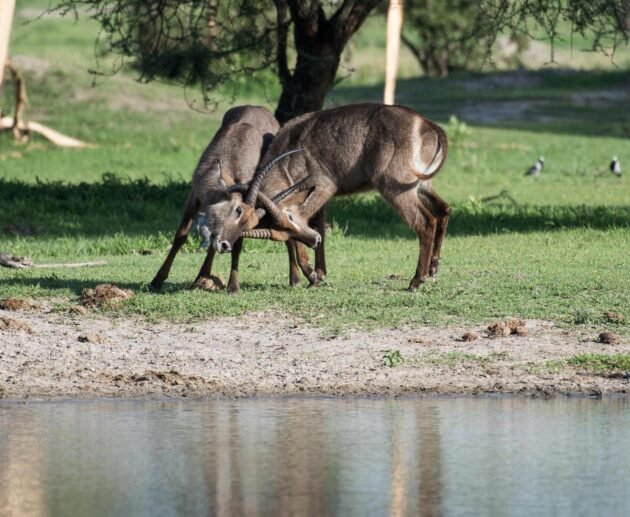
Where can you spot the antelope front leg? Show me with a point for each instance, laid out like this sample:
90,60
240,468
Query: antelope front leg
294,275
204,279
319,224
233,285
181,236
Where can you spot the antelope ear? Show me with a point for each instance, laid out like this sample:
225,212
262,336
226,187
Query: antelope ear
216,175
227,179
222,179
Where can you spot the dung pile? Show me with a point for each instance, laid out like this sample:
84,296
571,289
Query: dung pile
13,325
105,295
16,304
214,283
506,328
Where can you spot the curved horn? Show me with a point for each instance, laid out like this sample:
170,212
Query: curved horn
272,209
238,187
299,186
260,175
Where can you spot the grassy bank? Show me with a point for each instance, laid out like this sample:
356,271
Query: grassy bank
554,247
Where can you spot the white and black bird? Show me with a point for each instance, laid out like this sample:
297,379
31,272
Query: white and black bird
615,166
537,168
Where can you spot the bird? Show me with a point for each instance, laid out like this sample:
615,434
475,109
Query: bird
537,168
615,166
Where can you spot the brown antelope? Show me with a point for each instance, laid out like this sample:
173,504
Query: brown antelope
231,158
350,149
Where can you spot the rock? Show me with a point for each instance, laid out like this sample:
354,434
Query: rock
105,294
90,338
608,338
470,336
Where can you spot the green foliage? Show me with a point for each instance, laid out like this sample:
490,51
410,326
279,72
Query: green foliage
393,358
447,35
457,130
601,362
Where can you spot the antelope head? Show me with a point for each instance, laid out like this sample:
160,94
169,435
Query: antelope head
236,214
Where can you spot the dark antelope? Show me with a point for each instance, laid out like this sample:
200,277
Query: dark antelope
351,149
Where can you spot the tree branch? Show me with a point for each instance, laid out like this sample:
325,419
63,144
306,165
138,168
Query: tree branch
349,17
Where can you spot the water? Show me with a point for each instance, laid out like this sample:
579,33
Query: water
461,456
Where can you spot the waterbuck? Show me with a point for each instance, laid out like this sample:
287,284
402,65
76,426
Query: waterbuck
231,158
350,149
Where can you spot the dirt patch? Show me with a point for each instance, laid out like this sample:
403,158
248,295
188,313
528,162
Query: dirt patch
268,353
105,294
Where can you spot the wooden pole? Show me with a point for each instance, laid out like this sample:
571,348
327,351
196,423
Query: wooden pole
394,29
7,8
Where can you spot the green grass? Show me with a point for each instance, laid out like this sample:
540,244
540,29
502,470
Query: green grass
559,251
601,362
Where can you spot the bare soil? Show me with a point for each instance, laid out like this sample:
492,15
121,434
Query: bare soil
77,354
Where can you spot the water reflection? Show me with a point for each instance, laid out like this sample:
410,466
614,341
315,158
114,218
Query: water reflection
316,457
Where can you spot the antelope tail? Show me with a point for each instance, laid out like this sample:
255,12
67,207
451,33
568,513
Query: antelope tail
440,154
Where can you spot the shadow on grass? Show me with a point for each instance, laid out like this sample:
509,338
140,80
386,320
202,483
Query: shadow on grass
562,101
76,286
356,216
139,208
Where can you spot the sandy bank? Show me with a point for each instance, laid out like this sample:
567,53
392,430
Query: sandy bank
271,354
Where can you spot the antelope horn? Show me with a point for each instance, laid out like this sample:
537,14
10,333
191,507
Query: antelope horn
238,187
299,186
271,208
258,233
260,175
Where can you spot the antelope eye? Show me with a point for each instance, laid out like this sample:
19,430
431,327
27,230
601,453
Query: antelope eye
239,211
290,217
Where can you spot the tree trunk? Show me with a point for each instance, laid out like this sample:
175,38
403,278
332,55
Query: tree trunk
306,89
319,42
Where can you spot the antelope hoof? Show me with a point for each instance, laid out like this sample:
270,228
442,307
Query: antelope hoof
415,283
435,266
233,288
155,287
313,279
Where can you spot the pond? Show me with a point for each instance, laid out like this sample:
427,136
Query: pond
316,456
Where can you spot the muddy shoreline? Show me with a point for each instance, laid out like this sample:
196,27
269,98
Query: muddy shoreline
68,356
